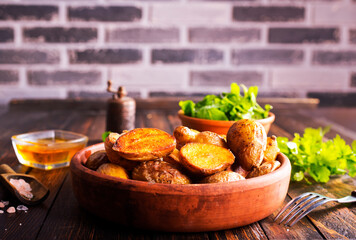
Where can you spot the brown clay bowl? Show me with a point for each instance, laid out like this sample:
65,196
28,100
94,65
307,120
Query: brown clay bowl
218,126
178,208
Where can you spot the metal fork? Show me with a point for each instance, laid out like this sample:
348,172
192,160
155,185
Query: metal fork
307,202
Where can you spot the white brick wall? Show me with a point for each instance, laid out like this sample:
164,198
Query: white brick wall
175,48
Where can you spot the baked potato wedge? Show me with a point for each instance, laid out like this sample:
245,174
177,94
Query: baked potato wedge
96,159
113,170
205,159
157,171
247,139
114,156
173,158
143,144
270,154
223,176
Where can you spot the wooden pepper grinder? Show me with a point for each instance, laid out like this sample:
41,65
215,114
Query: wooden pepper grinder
120,114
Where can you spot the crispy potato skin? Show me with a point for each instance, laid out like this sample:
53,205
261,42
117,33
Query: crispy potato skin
223,176
184,135
157,171
210,138
247,139
113,170
270,154
205,159
266,167
96,159
114,156
143,144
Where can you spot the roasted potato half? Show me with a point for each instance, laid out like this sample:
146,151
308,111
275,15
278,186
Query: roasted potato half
270,154
247,139
142,144
223,176
157,171
114,156
205,159
113,170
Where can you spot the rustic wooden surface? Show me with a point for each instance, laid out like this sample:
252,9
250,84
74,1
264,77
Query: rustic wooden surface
60,216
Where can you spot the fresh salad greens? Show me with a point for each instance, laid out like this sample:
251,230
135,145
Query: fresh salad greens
230,106
310,155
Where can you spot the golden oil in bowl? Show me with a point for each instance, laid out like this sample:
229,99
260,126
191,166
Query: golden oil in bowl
47,149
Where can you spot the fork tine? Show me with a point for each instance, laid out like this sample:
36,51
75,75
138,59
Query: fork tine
298,206
290,203
311,208
300,210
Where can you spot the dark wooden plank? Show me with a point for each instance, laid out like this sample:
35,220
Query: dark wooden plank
157,119
81,123
296,122
344,116
331,221
301,230
32,221
66,220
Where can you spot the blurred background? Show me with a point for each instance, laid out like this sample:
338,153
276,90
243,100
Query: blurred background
69,49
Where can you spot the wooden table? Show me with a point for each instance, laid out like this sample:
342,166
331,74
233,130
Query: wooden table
60,216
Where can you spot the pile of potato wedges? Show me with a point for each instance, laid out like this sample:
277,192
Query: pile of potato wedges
188,156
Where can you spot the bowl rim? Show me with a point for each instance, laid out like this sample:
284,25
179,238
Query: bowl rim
77,167
270,118
79,137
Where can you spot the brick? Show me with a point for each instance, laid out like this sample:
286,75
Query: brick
25,56
340,13
8,77
105,56
149,78
7,94
268,14
224,35
43,78
143,35
28,12
6,35
192,13
105,14
334,58
198,56
267,56
59,35
224,78
353,80
305,79
303,35
353,36
328,99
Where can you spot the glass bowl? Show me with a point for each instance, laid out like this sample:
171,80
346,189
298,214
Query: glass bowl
47,149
